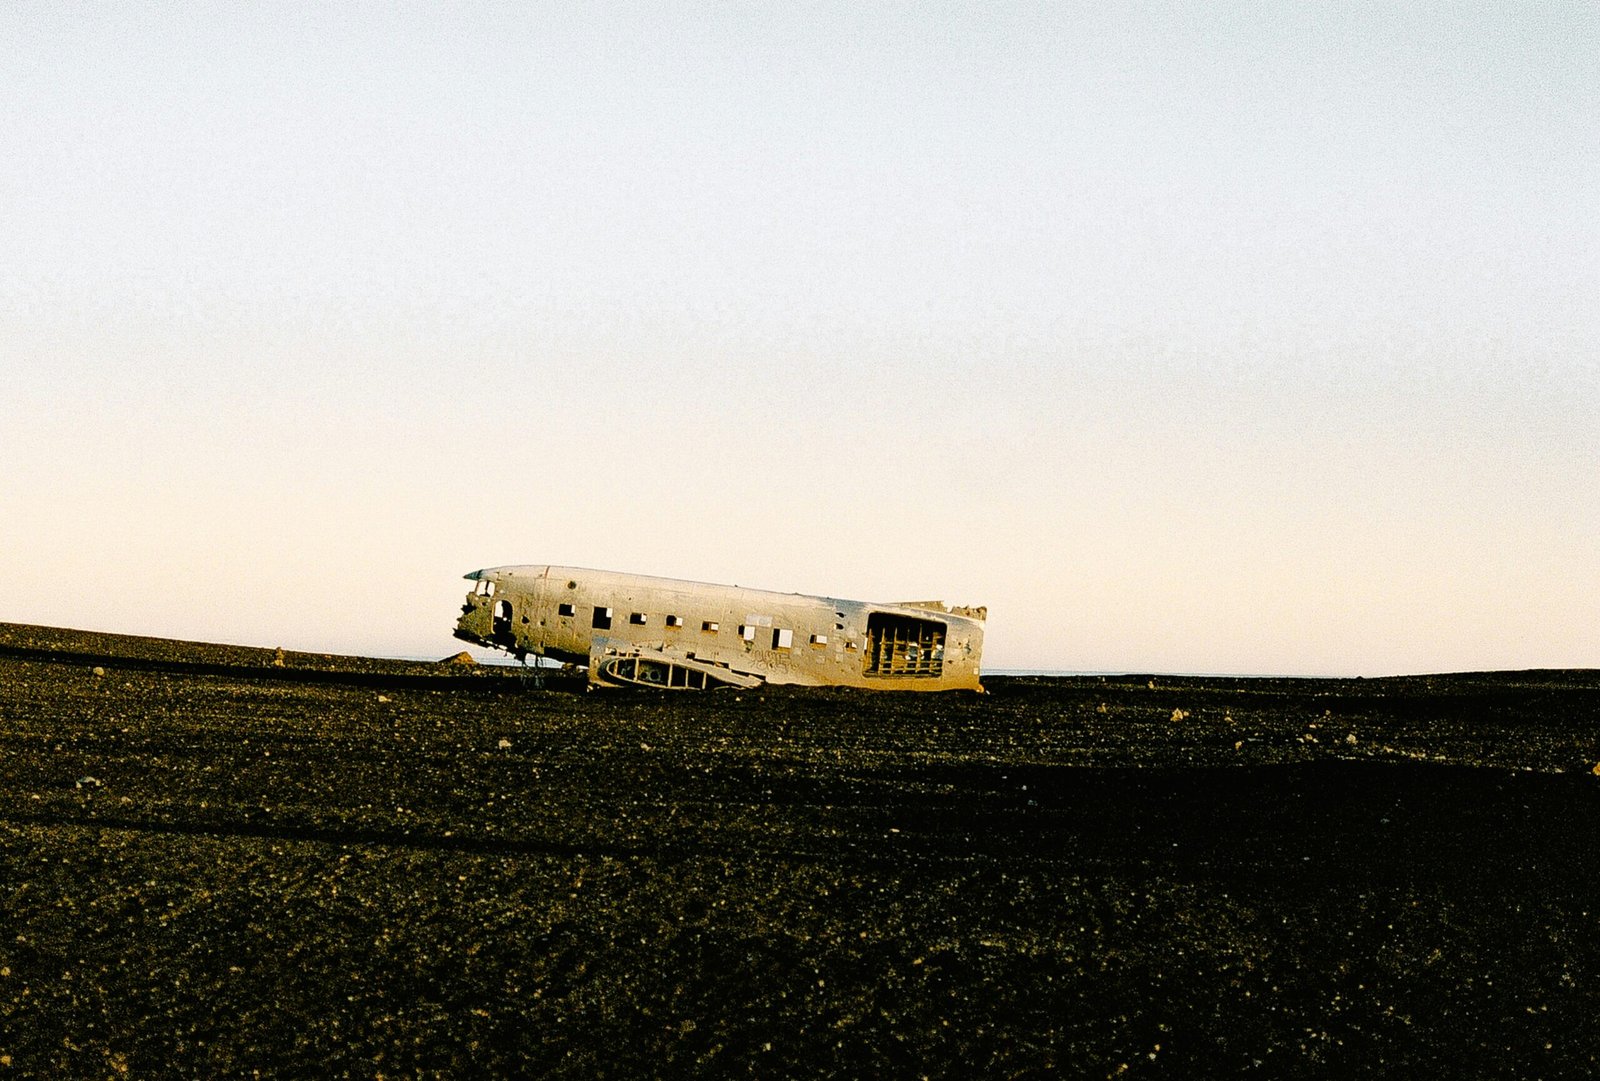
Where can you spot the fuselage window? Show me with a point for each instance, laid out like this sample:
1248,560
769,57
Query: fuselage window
637,619
747,631
674,621
782,638
567,609
711,626
602,619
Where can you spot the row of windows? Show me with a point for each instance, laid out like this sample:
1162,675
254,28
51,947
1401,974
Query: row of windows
782,637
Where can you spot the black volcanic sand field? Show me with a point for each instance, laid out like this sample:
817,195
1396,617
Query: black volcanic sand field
211,866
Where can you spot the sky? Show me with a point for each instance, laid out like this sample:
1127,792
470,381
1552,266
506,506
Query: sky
1187,337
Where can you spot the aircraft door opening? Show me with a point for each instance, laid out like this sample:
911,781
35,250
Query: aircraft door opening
904,646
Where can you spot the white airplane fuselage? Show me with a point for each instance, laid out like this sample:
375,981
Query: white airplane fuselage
635,628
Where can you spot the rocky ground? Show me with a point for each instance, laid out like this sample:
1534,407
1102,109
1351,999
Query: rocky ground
229,862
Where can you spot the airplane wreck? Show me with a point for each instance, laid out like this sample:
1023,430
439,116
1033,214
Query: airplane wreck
642,631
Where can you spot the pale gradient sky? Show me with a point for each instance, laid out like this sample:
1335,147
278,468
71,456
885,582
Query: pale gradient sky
1188,337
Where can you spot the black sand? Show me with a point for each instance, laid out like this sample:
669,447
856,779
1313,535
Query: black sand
212,866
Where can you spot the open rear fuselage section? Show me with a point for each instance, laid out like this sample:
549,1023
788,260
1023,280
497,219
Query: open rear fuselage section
634,629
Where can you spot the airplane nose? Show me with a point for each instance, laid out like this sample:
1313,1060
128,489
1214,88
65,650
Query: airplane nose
473,576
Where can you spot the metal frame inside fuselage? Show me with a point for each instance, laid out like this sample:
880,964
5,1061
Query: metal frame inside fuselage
749,634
